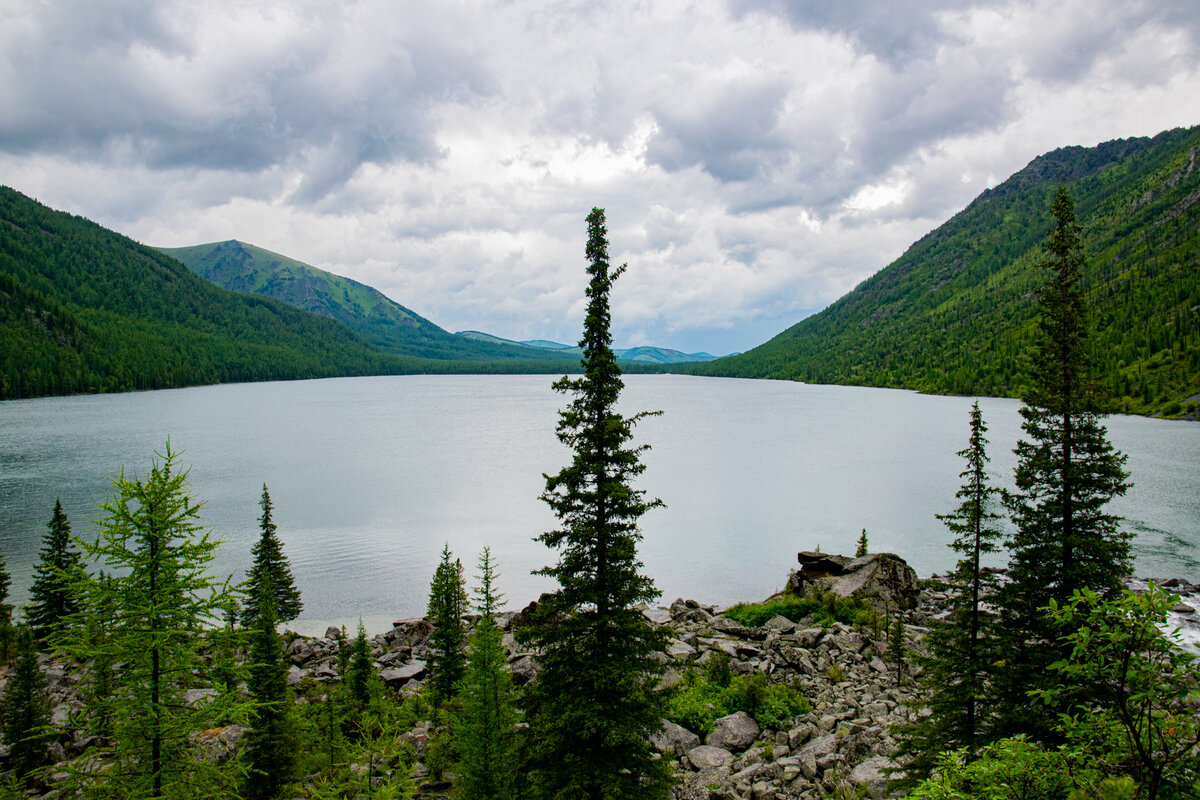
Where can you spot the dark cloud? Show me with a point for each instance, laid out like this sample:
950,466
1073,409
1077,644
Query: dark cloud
137,85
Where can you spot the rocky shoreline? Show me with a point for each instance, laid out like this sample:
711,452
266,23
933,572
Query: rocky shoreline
842,747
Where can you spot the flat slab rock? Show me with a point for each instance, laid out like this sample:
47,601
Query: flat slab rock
734,732
709,757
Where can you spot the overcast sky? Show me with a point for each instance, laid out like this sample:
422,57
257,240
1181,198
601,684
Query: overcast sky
757,158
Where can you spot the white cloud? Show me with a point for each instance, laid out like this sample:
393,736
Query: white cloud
757,158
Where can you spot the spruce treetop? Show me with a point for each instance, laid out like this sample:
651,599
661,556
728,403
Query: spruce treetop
52,599
270,561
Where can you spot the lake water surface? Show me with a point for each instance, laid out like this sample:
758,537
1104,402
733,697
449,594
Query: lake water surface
370,477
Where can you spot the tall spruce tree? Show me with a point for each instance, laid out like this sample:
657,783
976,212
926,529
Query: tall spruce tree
6,628
272,743
161,596
1067,471
447,606
486,724
25,708
52,601
961,648
594,705
269,560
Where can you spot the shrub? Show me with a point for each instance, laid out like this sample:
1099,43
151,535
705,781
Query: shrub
697,703
825,608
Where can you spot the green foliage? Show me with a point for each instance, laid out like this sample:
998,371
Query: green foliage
25,708
447,606
951,315
272,744
897,647
1010,769
1066,473
595,705
963,648
271,567
160,596
486,724
6,632
698,702
1130,687
359,670
825,608
51,600
860,549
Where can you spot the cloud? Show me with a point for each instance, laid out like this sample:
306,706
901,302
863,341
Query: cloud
757,158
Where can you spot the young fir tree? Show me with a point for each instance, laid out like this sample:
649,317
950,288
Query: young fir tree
594,704
269,560
51,600
488,718
272,743
1066,472
962,648
25,708
358,670
161,595
447,605
860,549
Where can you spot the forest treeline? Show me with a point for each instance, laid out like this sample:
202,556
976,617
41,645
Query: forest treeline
953,314
85,310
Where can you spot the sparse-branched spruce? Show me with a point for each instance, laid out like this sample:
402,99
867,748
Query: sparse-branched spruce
270,561
1067,471
594,705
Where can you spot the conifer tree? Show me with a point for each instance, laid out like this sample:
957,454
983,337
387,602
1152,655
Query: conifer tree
1066,472
272,744
6,632
962,648
25,708
860,549
447,605
269,559
52,602
358,670
594,704
486,724
161,595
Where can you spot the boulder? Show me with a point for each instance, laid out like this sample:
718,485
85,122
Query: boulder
675,738
734,732
409,632
872,776
709,757
398,676
884,578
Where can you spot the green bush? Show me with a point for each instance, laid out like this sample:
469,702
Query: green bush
825,608
697,703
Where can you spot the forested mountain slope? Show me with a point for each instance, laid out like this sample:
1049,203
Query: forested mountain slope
955,313
84,309
381,321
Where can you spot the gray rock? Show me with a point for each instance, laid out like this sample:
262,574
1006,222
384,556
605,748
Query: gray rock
398,676
193,697
870,774
675,738
734,732
709,757
779,624
680,650
524,668
820,747
659,616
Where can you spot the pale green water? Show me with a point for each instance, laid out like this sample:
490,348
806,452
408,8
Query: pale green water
371,476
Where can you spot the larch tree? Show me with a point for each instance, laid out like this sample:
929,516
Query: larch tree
962,647
52,601
1067,471
161,597
447,606
269,560
594,704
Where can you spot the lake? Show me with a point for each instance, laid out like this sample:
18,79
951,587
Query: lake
370,477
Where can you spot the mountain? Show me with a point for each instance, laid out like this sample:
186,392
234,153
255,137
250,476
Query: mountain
84,309
630,355
956,312
379,320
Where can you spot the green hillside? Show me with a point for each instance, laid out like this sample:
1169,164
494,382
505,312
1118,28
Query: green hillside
379,320
955,313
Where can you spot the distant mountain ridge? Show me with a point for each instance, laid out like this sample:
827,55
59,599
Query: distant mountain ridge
637,355
245,268
955,313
